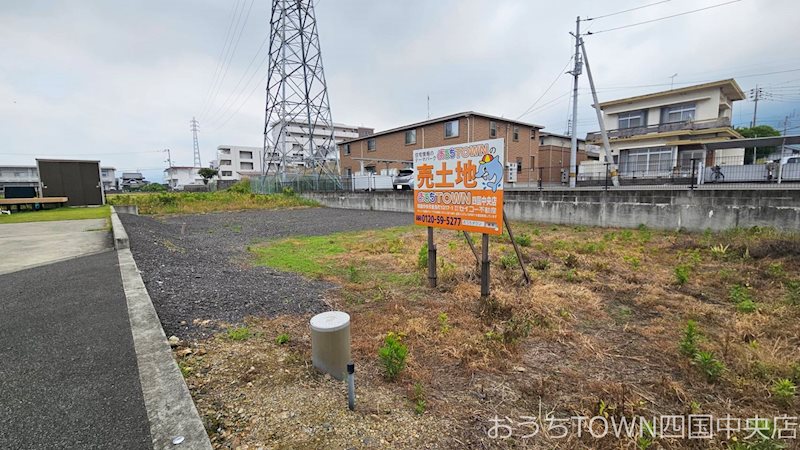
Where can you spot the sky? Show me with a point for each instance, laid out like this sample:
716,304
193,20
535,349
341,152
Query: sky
119,81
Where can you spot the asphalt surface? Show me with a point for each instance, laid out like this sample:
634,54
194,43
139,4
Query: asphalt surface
68,371
197,267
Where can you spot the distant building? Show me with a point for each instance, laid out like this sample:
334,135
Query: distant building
659,134
177,177
298,132
29,176
392,149
108,176
554,156
132,180
22,176
235,161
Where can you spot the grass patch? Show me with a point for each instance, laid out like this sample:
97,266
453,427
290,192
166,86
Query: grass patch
204,202
239,333
65,213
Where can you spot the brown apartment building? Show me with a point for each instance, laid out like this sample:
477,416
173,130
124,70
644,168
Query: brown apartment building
392,149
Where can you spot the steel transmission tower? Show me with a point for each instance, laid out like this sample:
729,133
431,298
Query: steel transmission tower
195,126
297,95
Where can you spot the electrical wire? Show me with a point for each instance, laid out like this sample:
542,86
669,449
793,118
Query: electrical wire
663,18
627,10
220,59
560,74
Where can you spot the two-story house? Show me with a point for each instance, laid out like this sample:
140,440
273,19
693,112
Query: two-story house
660,134
392,149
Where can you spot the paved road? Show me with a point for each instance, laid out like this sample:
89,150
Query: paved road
68,371
25,245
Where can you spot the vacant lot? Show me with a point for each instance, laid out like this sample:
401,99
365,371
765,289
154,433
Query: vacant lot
616,323
50,215
205,202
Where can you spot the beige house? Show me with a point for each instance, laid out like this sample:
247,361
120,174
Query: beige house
659,134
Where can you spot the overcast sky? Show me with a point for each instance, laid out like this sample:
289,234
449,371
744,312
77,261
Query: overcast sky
120,81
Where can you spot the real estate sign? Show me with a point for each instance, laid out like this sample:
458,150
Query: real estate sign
460,187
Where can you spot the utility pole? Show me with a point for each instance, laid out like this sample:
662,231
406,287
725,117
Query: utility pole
672,80
576,72
194,128
169,166
603,133
429,107
756,94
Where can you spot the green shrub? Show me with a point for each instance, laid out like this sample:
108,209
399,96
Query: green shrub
740,295
541,264
282,338
523,240
747,306
153,187
775,270
508,260
633,261
784,389
422,257
444,323
793,292
393,355
240,187
239,333
682,274
688,343
419,399
711,367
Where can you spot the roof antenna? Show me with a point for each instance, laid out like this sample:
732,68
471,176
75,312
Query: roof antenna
429,106
672,80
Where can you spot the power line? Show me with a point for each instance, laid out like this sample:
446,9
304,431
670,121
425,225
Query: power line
232,53
88,154
560,74
627,10
220,58
664,18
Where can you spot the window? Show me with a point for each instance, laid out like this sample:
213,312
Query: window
371,145
224,162
493,129
104,173
516,134
541,140
225,151
411,137
227,173
631,119
451,129
519,164
246,155
678,113
646,161
246,166
346,149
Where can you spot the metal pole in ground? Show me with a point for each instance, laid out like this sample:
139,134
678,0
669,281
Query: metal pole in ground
694,174
431,259
484,265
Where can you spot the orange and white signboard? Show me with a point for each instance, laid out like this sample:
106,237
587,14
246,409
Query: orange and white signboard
460,187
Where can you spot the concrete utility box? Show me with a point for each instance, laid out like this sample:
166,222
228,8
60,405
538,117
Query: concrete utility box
330,343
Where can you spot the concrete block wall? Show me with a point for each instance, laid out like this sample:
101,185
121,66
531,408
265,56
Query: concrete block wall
659,209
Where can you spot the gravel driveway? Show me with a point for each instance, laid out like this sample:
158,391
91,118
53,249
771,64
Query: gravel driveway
196,267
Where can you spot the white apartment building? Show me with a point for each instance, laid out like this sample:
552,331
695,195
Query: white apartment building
236,161
659,134
297,143
108,176
177,177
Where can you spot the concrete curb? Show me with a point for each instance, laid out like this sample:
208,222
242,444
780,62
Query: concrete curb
120,235
170,409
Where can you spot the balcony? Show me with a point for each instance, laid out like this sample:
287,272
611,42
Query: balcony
691,125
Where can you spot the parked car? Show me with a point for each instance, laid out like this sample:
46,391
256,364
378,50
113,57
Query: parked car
404,179
790,168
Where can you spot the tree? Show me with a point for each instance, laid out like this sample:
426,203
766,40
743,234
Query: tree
758,131
207,173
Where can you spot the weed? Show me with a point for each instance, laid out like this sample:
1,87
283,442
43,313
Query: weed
694,407
523,240
186,369
711,367
571,275
239,333
633,261
283,338
393,355
571,261
508,260
784,389
592,248
352,274
626,235
541,264
747,306
608,237
444,323
793,292
419,399
719,250
740,295
688,344
645,235
682,274
581,228
775,270
518,328
536,232
395,245
647,435
422,257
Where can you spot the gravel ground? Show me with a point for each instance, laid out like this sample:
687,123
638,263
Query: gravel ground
196,267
